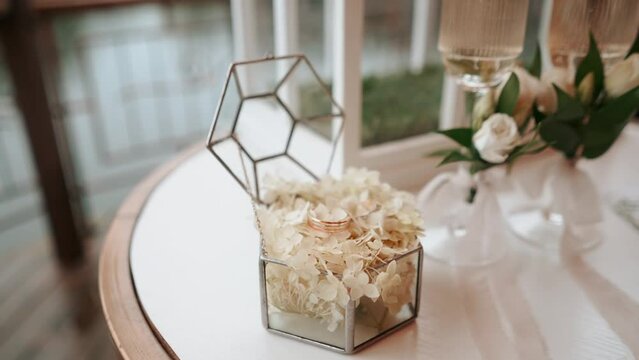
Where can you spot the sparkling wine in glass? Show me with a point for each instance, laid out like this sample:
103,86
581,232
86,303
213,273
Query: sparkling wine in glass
613,22
480,39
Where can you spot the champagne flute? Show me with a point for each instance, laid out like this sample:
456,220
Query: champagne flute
614,24
480,40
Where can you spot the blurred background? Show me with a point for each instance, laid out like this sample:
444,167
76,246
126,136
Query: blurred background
95,94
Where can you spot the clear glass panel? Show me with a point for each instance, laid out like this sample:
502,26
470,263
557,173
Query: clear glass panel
398,282
281,166
274,130
290,309
230,107
263,77
397,103
263,127
314,98
312,143
238,163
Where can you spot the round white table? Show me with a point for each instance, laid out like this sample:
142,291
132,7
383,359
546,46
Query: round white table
193,266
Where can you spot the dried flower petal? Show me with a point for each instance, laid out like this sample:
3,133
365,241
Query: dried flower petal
385,223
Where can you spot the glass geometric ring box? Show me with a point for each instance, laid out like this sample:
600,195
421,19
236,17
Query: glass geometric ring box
340,261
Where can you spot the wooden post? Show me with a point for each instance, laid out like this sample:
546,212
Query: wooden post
50,151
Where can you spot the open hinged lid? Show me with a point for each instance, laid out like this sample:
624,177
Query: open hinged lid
275,117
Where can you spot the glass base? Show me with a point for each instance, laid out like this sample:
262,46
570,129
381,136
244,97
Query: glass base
545,230
454,248
458,232
476,73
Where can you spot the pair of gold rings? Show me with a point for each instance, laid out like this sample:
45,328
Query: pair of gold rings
333,226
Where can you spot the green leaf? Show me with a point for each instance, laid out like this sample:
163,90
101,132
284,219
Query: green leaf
635,46
477,166
454,156
440,153
560,136
533,147
509,96
462,136
535,66
591,64
607,123
569,109
615,112
596,143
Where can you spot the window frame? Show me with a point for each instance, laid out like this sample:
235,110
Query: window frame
403,163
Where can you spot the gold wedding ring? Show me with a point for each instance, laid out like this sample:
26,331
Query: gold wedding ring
328,226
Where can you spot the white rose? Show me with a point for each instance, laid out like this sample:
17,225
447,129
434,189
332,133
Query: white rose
496,138
623,76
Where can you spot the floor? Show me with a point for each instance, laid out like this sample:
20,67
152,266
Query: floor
47,312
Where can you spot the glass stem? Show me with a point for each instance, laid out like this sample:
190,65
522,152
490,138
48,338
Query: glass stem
472,192
470,97
477,114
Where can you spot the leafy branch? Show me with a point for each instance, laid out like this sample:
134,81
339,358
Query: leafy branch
588,123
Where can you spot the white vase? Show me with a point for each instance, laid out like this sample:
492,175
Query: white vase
571,204
460,232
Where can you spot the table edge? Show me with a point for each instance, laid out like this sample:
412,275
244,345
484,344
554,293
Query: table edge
133,334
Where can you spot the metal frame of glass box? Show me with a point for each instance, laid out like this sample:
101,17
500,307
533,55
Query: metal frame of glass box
349,321
336,113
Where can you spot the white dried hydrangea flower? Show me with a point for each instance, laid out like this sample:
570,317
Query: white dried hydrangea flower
393,284
326,270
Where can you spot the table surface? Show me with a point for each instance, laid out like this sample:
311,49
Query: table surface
193,266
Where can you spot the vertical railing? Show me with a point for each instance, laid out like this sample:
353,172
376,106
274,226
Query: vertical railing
424,33
243,15
244,34
285,30
285,26
348,17
423,43
328,7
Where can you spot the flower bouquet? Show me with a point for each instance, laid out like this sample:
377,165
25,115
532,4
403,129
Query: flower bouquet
583,118
465,225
